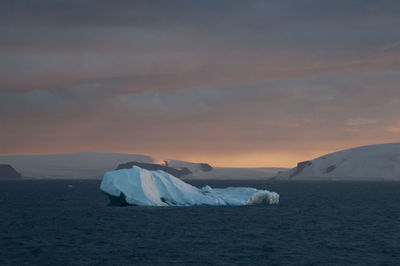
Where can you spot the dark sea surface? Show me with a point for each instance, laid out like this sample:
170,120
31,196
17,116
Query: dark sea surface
316,223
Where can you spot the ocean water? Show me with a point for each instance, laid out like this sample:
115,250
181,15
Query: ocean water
316,223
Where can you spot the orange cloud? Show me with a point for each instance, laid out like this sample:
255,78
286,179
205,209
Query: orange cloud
393,129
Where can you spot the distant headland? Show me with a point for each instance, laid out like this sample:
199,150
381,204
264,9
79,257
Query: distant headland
8,172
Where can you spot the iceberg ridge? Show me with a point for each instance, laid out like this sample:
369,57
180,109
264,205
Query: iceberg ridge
137,186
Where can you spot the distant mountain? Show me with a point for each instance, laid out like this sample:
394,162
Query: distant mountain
375,162
231,173
175,171
70,165
206,171
194,168
8,172
93,165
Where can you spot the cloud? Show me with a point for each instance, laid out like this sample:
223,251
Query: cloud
393,129
197,77
390,47
233,118
133,46
88,25
360,121
156,13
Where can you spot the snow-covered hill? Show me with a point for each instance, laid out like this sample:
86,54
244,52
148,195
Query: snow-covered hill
195,168
226,173
8,172
375,162
87,165
205,171
70,165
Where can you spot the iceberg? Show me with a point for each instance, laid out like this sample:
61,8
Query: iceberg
137,186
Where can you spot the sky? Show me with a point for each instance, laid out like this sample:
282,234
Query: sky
231,83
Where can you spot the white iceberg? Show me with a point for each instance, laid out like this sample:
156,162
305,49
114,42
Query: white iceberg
137,186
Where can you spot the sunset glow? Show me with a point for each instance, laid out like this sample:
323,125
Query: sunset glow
238,83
